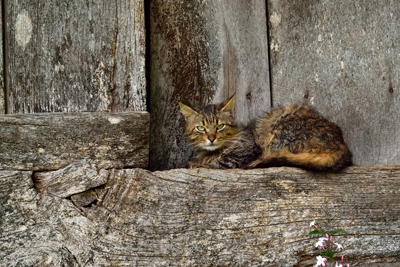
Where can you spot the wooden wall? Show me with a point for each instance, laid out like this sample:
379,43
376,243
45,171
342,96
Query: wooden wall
203,52
75,56
341,58
69,56
2,88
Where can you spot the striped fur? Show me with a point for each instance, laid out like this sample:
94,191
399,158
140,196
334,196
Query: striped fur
291,135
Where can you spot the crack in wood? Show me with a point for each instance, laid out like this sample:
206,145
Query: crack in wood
139,216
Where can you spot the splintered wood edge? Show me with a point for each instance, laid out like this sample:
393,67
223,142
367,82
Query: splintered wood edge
58,180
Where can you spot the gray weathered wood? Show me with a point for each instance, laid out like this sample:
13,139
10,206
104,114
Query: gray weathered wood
342,57
72,179
2,88
201,52
72,56
50,141
200,217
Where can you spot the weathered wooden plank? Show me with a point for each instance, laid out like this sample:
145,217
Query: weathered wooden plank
2,87
72,179
50,141
26,217
202,217
72,56
343,58
201,52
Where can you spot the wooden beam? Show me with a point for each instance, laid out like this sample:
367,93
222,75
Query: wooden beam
49,141
75,56
199,217
202,52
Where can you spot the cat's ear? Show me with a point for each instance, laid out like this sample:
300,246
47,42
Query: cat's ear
228,105
187,111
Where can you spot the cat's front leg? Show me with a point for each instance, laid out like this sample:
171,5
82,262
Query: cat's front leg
203,164
194,165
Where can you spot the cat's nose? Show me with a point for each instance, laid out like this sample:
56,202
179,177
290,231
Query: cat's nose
211,137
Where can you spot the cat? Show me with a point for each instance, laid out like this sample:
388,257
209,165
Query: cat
293,135
219,143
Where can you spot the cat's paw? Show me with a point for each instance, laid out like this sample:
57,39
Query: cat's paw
253,164
194,165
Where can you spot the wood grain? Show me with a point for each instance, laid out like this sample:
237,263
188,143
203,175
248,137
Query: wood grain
75,56
50,141
204,52
2,87
342,58
201,217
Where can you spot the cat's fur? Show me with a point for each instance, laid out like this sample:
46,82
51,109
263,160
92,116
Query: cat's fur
291,136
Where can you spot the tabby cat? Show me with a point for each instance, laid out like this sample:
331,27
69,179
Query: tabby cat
290,136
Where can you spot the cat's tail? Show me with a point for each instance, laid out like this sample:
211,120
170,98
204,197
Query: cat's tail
327,160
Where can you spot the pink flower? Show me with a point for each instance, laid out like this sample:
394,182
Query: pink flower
338,246
321,242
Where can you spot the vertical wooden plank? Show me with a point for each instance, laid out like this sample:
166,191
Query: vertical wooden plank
243,51
2,88
129,74
342,57
75,56
202,52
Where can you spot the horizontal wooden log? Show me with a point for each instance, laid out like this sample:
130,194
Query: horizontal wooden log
202,217
51,141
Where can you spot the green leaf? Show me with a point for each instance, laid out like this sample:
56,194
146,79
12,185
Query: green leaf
338,231
317,232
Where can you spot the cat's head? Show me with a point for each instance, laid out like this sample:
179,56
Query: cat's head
211,128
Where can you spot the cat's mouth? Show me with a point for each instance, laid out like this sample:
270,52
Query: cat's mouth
211,146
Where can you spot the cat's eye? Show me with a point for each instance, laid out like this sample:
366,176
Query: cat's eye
200,129
220,127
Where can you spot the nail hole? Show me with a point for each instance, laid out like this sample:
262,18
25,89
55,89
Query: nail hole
306,94
248,96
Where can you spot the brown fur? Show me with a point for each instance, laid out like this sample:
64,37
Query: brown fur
232,147
291,135
299,136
